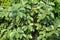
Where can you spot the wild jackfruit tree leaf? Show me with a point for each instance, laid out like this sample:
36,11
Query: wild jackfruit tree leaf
29,19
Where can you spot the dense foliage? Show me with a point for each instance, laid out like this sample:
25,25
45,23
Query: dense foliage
29,19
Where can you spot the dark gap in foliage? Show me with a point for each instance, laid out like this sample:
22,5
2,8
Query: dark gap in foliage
34,34
0,2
